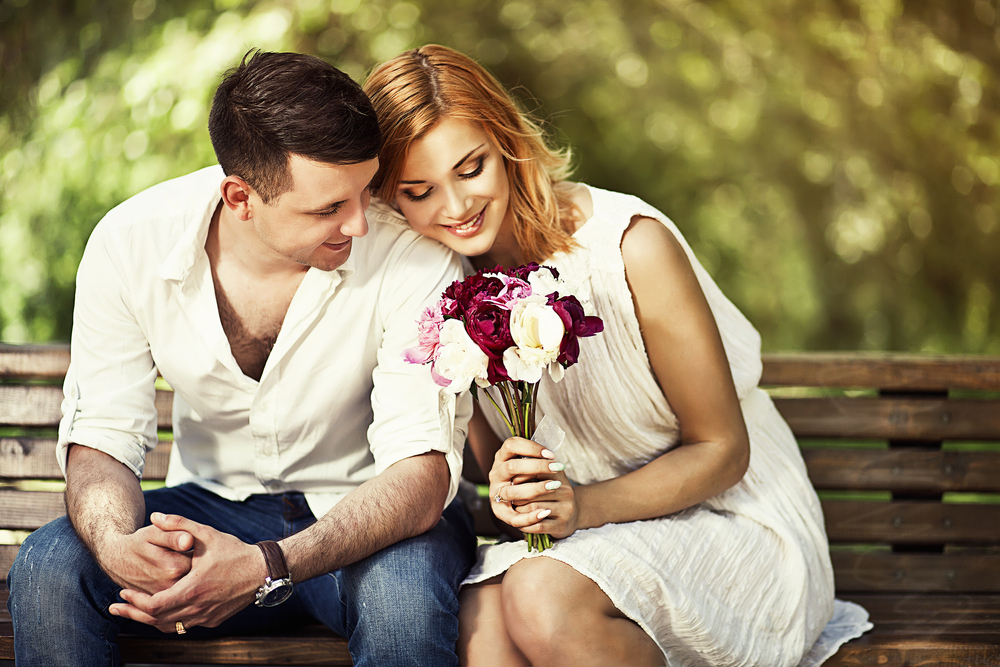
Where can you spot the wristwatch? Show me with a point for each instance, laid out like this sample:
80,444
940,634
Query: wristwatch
278,582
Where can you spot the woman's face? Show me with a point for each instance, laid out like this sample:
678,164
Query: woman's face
454,188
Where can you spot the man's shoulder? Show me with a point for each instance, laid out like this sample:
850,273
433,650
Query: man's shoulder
173,199
390,237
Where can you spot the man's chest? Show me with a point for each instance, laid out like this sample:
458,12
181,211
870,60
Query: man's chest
252,314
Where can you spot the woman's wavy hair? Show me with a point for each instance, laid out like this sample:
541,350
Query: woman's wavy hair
414,91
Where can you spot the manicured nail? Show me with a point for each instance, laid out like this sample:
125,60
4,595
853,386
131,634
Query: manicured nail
556,467
547,454
543,514
553,485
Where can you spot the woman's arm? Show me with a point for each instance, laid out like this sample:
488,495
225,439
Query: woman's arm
688,359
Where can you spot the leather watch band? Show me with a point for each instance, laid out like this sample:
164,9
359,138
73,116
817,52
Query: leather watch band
274,558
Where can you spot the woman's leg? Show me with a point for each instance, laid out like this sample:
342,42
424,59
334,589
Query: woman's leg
557,616
482,634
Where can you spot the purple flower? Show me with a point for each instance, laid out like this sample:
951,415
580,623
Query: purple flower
578,325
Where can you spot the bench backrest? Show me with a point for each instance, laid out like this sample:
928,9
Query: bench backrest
904,451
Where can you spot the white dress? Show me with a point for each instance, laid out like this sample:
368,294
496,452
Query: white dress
743,578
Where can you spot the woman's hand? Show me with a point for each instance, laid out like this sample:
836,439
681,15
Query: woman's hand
534,494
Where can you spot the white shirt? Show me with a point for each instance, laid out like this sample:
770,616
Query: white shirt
336,403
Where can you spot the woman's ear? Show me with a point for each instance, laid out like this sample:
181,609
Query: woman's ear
236,195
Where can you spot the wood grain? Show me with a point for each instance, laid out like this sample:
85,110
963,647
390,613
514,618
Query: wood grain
896,371
911,522
39,406
903,469
35,458
891,418
972,572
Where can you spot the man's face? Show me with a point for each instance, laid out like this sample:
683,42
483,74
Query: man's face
314,222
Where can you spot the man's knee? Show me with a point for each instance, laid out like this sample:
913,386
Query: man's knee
50,573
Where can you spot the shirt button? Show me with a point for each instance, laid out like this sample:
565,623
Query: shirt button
263,407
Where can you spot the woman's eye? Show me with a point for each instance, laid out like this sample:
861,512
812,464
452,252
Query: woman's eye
480,163
415,197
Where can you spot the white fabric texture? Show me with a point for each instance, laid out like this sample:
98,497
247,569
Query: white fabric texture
741,579
336,404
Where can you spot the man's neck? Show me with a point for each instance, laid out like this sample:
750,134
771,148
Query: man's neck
252,290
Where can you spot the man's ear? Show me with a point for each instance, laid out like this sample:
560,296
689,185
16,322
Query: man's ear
236,195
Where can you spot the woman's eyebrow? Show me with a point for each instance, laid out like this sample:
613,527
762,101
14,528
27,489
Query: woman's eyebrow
457,165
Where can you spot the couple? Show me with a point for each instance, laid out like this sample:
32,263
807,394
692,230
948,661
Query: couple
315,472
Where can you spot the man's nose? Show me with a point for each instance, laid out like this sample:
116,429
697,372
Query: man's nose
357,225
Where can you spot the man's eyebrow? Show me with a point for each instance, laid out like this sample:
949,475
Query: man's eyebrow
457,165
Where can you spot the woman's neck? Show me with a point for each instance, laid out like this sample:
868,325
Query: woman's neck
505,250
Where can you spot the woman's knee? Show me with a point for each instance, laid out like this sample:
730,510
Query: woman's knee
539,599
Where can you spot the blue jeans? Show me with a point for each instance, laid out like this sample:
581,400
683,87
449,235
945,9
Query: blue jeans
399,606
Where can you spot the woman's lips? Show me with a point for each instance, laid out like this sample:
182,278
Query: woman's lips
469,228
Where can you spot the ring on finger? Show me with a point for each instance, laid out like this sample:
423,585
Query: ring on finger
498,499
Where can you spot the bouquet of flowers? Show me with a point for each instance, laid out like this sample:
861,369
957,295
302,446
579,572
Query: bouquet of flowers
503,328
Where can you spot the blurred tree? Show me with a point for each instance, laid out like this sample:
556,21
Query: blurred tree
834,163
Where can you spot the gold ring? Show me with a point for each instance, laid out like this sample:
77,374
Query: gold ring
179,627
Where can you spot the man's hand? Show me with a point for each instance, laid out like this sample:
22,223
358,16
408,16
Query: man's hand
149,560
106,506
225,573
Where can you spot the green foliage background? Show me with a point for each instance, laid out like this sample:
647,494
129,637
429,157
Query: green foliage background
834,163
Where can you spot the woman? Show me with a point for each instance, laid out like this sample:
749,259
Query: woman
686,528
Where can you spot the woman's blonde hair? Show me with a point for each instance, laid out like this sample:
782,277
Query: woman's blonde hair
414,91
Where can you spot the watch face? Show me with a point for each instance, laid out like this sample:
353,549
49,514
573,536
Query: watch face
275,593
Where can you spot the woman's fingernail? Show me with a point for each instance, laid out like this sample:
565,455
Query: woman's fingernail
547,454
553,485
543,514
556,467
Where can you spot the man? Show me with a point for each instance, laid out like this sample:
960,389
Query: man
260,294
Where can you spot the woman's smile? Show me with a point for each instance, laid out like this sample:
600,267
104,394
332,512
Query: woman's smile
469,228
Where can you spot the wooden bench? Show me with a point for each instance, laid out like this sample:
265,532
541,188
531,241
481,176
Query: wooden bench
904,449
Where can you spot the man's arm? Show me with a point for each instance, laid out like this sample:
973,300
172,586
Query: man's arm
105,504
403,501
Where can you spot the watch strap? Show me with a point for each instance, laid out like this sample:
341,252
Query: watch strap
274,558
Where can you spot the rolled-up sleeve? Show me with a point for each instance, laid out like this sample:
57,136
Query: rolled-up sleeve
412,414
109,389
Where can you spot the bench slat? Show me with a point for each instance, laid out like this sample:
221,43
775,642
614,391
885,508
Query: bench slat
811,369
911,522
25,362
28,510
39,406
314,645
35,458
836,417
917,572
894,371
903,469
891,418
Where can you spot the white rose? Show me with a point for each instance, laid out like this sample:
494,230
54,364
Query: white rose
543,282
459,358
537,331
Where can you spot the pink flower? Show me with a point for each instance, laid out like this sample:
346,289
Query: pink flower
428,336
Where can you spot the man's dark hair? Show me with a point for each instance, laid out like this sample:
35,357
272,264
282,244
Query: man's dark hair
276,104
